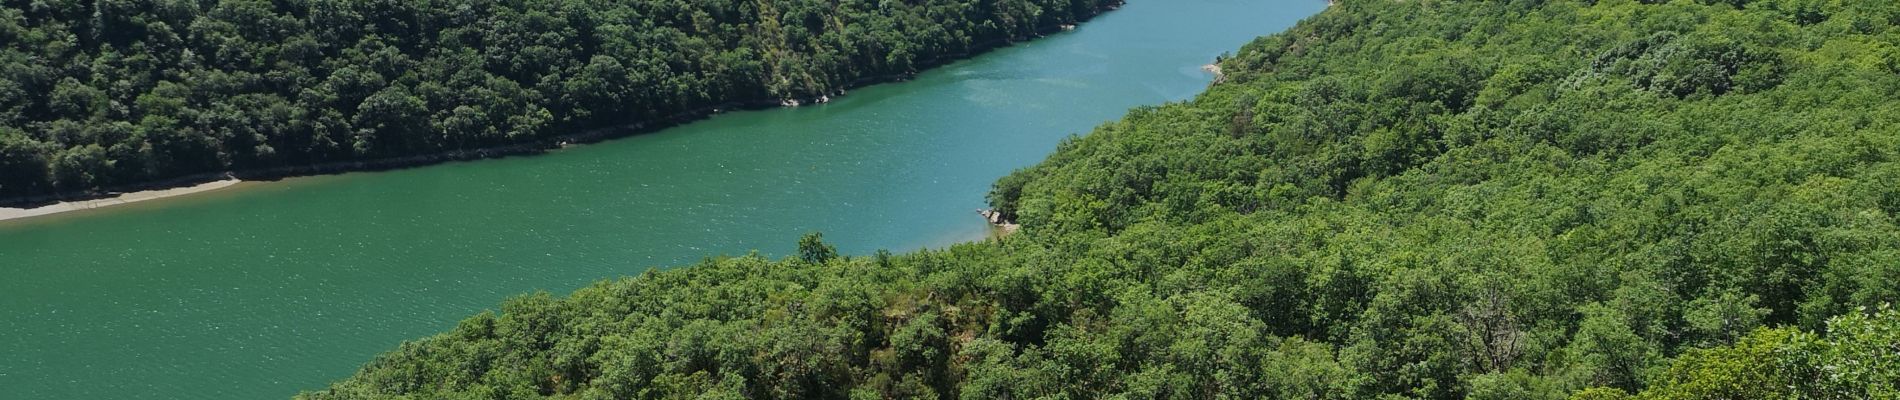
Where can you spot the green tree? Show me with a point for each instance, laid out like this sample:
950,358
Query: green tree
812,249
1607,352
1435,200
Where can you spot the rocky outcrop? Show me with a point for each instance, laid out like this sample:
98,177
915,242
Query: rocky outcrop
998,220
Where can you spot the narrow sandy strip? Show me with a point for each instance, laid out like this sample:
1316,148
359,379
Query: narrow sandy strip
8,213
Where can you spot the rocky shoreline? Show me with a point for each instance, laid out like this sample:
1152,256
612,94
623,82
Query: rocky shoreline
1003,226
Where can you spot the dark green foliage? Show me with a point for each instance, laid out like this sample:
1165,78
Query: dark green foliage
812,249
105,93
1395,199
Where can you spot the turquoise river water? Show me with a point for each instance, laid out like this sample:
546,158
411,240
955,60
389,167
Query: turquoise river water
269,288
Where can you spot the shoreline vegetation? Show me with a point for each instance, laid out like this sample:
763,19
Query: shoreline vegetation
1545,200
78,145
590,136
35,206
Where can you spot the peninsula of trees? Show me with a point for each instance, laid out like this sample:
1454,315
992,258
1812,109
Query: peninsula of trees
109,93
1529,199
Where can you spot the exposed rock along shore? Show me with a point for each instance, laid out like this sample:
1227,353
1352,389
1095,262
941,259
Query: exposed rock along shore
995,218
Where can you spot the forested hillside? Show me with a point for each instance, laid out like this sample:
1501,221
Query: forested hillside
1526,199
107,93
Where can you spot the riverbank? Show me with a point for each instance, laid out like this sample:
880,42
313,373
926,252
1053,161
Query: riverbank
554,142
11,213
999,226
293,284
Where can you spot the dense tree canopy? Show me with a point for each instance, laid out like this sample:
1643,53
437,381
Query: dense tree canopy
113,92
1529,199
1857,359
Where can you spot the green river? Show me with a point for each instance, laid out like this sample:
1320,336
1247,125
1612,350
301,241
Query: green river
265,289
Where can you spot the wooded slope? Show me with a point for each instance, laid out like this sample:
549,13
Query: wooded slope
1395,199
98,94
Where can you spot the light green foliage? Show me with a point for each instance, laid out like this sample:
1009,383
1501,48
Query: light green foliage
1600,393
1720,319
1744,371
1856,359
1535,199
1607,352
105,93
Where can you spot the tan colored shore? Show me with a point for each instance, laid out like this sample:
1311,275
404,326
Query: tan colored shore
8,213
998,226
1219,76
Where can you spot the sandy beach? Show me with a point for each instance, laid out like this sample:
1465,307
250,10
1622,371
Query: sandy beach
8,213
